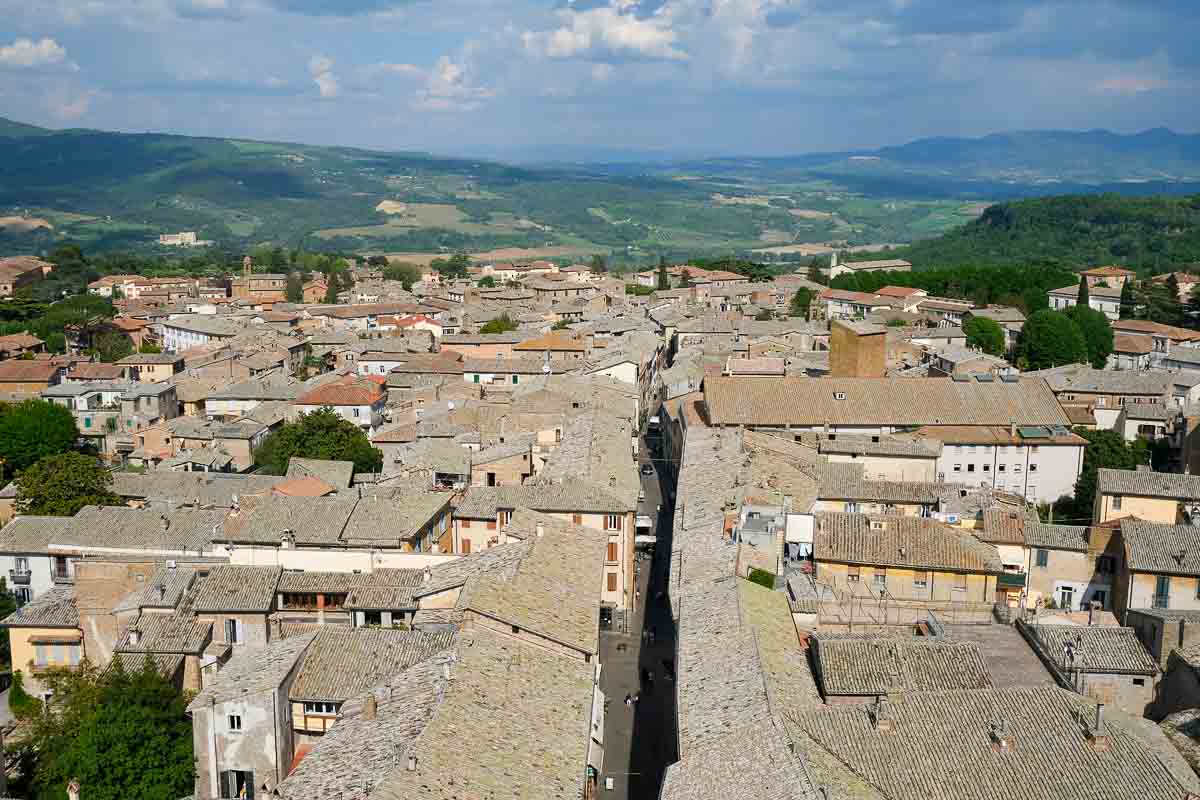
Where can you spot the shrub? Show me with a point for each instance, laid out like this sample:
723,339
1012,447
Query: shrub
762,577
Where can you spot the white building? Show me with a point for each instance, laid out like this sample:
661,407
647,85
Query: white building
1104,299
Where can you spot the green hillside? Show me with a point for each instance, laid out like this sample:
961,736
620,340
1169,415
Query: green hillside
1152,234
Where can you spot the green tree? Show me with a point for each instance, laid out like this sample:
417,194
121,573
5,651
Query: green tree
599,264
801,302
1049,339
814,273
331,289
406,273
487,282
1105,449
295,287
121,734
111,346
501,324
32,430
561,325
1161,304
765,315
985,334
322,434
1128,300
150,347
664,280
1084,298
454,267
685,279
1097,333
1193,307
58,486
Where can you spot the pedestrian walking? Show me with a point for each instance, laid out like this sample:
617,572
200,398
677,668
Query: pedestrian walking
628,699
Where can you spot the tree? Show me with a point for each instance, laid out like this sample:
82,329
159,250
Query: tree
111,346
1097,333
1084,298
58,486
561,325
685,279
599,264
487,282
814,273
1161,304
150,347
331,289
453,267
1128,303
32,430
1050,338
1193,307
501,324
121,734
322,434
801,302
407,274
985,334
1105,449
664,280
295,287
765,315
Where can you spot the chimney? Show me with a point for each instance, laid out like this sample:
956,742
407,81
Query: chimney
1098,732
412,763
427,576
1012,429
879,716
541,530
371,709
1001,740
135,635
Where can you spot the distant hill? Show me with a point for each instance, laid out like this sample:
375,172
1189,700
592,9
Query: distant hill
1155,234
14,129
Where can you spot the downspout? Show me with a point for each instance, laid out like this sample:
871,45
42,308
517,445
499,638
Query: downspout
213,772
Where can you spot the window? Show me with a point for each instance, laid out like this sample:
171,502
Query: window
321,709
1162,592
236,783
1043,558
612,551
612,581
87,422
1116,502
958,467
1107,565
987,467
970,467
1033,467
879,581
1139,681
514,377
577,519
356,411
235,723
920,580
491,524
852,574
40,659
233,630
612,522
1001,468
1016,467
466,523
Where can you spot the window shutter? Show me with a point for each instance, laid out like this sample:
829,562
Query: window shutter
612,551
612,581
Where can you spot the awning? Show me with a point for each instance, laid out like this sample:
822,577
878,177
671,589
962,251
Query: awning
644,538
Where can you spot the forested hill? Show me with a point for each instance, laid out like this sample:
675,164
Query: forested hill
1153,234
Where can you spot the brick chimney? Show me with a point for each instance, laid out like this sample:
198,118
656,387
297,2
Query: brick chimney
371,709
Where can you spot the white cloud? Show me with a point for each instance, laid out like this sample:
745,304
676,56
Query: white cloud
28,54
321,70
450,88
612,30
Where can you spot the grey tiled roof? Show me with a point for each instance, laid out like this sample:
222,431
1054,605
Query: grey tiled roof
1098,648
1163,549
119,527
884,666
501,560
879,401
1001,526
1146,483
555,592
311,520
484,502
24,534
528,713
250,672
941,748
307,581
344,662
1088,380
167,633
910,542
237,588
335,473
1056,537
874,446
52,609
165,589
186,487
358,752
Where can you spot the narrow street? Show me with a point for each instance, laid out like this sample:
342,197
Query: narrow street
640,738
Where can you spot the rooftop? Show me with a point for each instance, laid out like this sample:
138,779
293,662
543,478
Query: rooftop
854,666
236,588
1146,483
342,663
909,542
52,609
1096,648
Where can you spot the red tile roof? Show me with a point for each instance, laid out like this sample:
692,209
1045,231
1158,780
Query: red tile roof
351,390
18,370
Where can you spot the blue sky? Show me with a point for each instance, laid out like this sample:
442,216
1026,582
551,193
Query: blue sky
677,77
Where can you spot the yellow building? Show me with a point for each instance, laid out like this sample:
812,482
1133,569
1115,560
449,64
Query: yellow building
45,635
1162,497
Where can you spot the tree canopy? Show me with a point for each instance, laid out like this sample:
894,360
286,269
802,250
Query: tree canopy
599,264
8,604
453,267
501,324
1049,339
294,292
664,281
406,273
60,485
32,430
120,734
1104,449
322,434
801,301
1023,288
1097,333
985,334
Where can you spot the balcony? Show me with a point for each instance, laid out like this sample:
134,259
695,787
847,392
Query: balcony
19,577
62,576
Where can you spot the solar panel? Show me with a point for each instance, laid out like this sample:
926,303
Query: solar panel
1033,432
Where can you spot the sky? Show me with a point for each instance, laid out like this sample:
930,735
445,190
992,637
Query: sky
528,79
